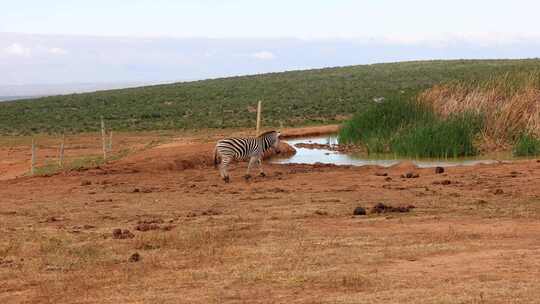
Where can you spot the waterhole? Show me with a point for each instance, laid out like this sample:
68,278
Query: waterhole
322,150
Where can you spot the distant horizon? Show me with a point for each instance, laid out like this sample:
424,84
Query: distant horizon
30,91
146,41
30,59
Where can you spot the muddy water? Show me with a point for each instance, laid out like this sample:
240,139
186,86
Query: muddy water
311,156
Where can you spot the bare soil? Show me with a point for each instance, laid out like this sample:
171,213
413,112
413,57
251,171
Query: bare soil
159,226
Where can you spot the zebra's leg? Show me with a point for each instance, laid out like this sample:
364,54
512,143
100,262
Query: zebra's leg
250,163
223,169
259,161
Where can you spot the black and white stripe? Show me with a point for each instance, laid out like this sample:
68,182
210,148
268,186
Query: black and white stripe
252,148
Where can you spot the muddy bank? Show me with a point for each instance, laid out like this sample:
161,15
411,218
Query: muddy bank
180,157
309,131
337,147
188,154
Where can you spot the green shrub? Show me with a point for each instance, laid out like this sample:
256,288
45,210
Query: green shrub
408,128
527,145
451,137
379,122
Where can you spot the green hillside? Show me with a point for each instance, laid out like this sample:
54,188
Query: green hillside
291,98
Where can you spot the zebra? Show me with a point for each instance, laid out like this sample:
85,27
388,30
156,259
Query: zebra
236,148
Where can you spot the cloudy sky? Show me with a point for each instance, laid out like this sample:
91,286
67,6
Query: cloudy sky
61,42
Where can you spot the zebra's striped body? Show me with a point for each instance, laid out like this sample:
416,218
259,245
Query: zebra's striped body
252,148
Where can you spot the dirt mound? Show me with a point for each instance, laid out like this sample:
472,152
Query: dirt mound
404,168
178,158
285,150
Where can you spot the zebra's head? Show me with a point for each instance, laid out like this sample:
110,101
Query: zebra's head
271,140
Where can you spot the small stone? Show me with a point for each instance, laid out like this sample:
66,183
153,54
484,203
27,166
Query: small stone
52,219
499,192
410,175
134,258
151,221
446,182
381,174
117,232
211,212
359,211
481,202
388,179
105,200
439,170
382,208
86,183
320,212
120,234
147,227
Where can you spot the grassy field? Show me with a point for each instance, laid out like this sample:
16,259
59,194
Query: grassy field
290,98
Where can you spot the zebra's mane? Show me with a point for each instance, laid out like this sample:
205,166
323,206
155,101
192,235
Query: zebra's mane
267,133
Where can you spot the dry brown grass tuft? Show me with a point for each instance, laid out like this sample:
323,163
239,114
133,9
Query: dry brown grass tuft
509,104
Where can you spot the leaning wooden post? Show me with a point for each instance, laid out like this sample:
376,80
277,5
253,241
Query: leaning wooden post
33,161
259,105
103,139
62,145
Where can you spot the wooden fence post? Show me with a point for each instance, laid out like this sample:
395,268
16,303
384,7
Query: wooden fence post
62,145
259,105
33,161
110,140
103,139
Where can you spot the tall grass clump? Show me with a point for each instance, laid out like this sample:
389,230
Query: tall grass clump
377,123
509,103
527,145
411,128
450,137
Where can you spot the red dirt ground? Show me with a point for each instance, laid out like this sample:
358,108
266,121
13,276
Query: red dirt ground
287,238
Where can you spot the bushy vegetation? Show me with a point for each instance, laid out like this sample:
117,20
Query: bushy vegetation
509,104
527,145
450,137
290,98
377,124
410,128
448,119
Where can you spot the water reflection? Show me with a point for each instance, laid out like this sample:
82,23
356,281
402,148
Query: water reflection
326,156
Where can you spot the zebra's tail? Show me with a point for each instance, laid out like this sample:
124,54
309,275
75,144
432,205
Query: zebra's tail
216,162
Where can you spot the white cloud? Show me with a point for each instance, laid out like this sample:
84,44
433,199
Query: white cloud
263,55
57,51
16,49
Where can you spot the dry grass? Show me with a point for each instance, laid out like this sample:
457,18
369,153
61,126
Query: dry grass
265,242
509,103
